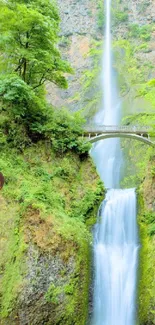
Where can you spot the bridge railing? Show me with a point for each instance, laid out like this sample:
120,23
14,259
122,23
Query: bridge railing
92,128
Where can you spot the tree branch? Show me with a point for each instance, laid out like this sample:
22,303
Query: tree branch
19,67
25,60
41,82
42,79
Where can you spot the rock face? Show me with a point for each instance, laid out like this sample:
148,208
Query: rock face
141,11
45,241
77,56
79,27
44,271
74,16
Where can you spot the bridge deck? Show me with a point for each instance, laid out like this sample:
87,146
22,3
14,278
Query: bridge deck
101,132
101,129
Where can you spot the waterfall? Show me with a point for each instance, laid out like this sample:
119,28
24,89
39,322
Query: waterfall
116,249
115,235
107,153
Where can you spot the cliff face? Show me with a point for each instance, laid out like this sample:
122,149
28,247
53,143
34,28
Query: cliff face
81,26
141,13
78,28
47,204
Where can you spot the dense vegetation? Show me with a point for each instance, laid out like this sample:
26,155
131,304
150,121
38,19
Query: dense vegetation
47,202
29,58
146,217
51,191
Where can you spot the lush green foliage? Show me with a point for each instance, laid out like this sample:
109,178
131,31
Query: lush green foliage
22,112
27,118
42,181
64,130
148,91
29,44
30,57
146,289
141,32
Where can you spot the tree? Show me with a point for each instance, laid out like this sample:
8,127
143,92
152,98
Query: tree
28,42
30,57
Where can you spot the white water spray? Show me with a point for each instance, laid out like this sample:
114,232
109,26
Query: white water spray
116,240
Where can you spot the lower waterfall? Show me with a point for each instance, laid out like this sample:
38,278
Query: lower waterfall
115,249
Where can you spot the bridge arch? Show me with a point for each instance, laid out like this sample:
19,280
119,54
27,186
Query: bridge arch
120,135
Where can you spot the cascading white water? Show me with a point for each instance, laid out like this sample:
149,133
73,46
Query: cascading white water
116,240
116,250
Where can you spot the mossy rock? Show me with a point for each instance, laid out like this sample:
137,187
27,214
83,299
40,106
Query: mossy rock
47,207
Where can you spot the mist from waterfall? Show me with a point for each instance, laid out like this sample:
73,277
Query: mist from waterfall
115,236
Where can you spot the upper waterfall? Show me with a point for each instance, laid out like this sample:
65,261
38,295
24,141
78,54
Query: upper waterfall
107,154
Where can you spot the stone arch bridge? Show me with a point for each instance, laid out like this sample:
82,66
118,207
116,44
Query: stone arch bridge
95,133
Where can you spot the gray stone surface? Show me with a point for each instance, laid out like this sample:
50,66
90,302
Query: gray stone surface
43,270
77,17
79,28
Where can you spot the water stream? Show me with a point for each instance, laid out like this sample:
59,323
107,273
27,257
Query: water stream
115,236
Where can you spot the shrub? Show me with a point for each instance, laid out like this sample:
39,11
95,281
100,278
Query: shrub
142,32
64,131
120,17
101,15
27,118
22,111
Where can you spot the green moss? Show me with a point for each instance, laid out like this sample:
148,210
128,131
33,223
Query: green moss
52,295
146,287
